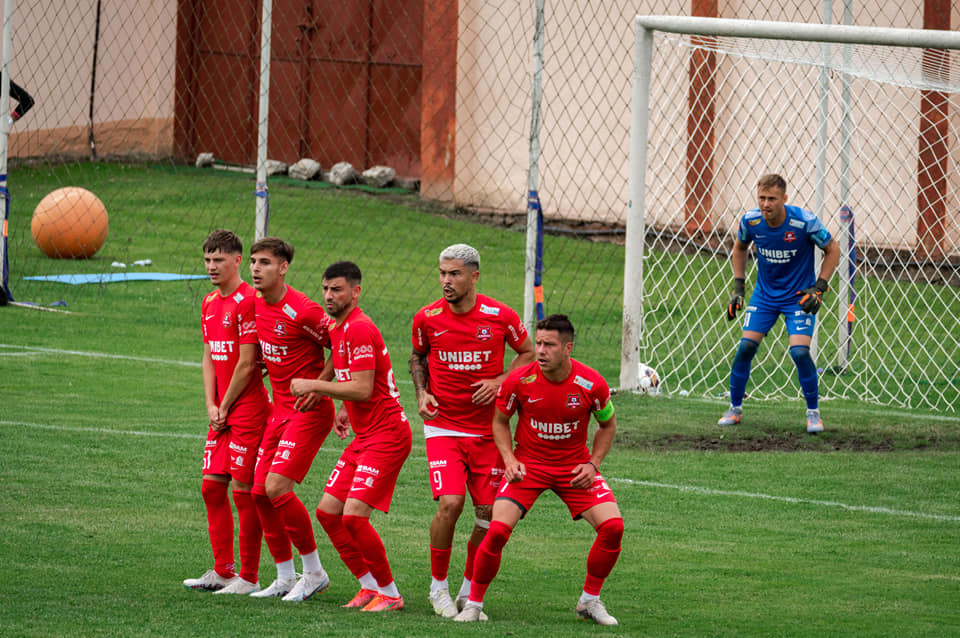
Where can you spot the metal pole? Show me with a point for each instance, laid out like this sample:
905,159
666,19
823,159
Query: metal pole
533,177
261,192
636,211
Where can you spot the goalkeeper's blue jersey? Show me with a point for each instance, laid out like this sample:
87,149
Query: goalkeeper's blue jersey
784,254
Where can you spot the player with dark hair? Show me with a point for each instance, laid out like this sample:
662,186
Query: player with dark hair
785,237
365,476
293,331
554,398
457,366
237,409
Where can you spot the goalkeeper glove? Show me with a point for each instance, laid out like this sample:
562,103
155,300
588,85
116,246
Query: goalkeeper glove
736,302
813,296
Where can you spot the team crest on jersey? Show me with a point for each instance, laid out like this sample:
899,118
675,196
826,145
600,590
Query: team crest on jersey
573,401
789,236
754,222
290,312
489,310
280,328
433,312
226,319
583,383
528,379
484,333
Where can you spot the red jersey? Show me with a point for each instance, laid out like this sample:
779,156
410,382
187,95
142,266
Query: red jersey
462,349
227,323
554,417
357,345
292,333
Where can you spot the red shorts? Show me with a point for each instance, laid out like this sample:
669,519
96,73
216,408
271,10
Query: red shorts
549,477
291,442
233,451
460,463
368,469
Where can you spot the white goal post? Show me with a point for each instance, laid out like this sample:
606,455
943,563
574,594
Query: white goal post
862,122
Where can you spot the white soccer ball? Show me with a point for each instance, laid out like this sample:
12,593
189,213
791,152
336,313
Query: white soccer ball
649,379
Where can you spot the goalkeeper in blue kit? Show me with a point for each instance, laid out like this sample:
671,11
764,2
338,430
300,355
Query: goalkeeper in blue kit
784,237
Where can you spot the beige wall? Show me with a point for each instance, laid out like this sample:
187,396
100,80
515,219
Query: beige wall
52,59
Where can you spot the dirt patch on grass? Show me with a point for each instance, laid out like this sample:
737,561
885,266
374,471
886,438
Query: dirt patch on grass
785,441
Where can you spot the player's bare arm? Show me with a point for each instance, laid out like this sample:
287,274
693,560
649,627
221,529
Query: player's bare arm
427,405
246,367
738,259
602,442
486,389
358,388
513,469
210,389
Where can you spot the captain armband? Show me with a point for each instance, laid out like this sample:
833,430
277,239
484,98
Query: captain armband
605,413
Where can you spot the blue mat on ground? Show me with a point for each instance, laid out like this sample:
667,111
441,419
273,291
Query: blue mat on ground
112,277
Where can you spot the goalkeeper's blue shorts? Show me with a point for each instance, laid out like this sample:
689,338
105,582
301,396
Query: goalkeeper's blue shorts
762,314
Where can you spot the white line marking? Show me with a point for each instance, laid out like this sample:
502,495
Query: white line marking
682,488
103,355
788,499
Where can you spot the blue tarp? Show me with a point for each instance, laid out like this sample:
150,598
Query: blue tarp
112,277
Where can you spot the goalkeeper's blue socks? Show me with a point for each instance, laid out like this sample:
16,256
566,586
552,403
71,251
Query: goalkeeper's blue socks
740,370
807,374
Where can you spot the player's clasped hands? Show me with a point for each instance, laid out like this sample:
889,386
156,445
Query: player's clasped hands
306,399
486,391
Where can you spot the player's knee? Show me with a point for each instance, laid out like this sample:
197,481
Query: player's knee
355,524
450,509
800,354
213,491
747,349
610,532
326,518
497,536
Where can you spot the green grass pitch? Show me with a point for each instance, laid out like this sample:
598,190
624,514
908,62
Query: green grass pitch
756,530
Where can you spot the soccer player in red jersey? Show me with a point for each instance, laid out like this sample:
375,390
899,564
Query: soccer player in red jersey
554,398
457,366
293,330
237,409
366,474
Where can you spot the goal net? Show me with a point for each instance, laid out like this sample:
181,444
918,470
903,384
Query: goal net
866,135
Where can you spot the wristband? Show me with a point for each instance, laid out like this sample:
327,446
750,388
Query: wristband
595,468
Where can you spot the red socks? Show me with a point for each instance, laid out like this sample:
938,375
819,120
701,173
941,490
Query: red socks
486,563
370,545
343,542
297,521
274,531
250,535
219,525
603,554
439,562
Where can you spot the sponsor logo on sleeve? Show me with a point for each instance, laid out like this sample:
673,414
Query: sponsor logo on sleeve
361,352
754,222
528,379
238,297
290,312
433,312
489,310
583,383
796,223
